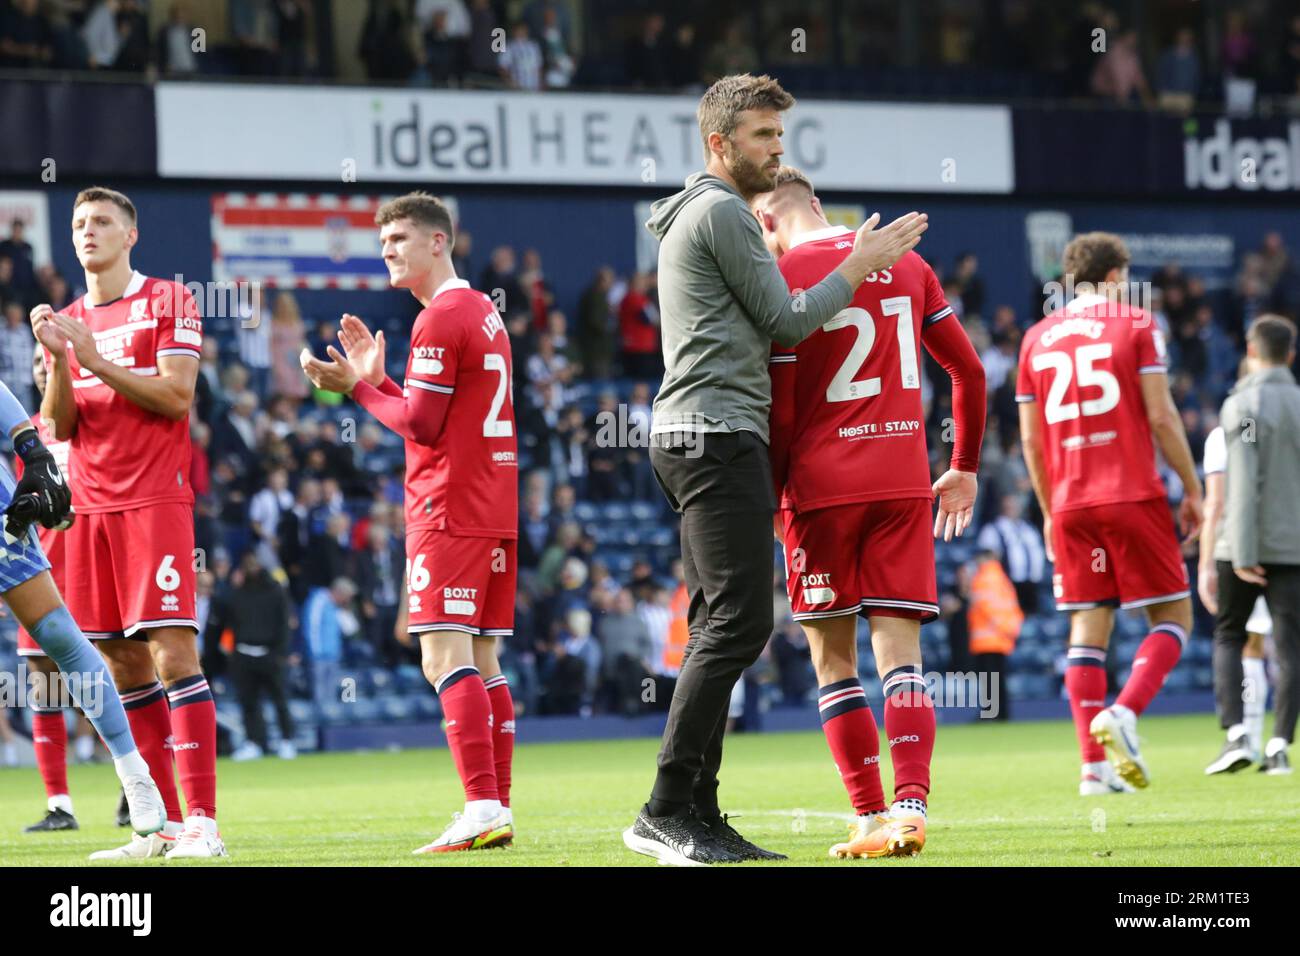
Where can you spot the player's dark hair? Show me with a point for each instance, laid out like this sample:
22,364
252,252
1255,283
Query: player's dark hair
422,209
790,175
723,102
1274,338
104,194
1091,255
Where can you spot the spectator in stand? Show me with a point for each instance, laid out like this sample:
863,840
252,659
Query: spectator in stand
258,615
235,434
580,648
253,333
175,44
264,512
295,536
288,339
595,332
558,63
627,649
329,555
1000,358
379,578
521,61
16,347
293,36
534,530
793,659
1178,74
533,282
461,251
1019,546
545,364
638,319
1118,76
252,27
647,59
483,57
732,54
22,275
454,12
571,440
26,36
557,326
442,52
1274,259
971,286
502,284
133,33
1237,55
535,15
684,58
385,45
606,459
994,619
327,623
100,35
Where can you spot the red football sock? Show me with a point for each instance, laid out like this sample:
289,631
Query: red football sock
50,741
1085,682
151,726
194,715
909,725
503,732
468,713
1155,658
851,733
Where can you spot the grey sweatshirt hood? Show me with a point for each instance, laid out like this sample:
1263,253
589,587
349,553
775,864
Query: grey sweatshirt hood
663,212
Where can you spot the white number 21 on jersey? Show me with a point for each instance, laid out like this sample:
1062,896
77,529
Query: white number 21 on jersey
843,387
1065,366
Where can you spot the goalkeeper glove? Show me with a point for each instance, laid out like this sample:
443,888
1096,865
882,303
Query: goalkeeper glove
42,481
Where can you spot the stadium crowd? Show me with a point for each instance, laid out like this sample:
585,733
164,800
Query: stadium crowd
1121,53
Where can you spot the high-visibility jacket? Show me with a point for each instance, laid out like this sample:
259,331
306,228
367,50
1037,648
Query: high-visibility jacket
678,633
994,617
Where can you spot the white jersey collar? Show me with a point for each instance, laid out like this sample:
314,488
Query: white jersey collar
816,234
1081,302
452,283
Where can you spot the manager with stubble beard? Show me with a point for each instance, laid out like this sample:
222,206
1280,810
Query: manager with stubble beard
723,302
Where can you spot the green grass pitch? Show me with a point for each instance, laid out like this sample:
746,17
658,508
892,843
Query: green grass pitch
1003,796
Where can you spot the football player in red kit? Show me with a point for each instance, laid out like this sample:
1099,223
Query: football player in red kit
456,414
852,474
123,361
1094,405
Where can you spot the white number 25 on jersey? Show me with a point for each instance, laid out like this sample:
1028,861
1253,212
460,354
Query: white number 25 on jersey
1066,366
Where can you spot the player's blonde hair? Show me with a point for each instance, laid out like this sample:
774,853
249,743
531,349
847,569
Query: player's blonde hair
791,176
1090,256
723,102
104,194
421,208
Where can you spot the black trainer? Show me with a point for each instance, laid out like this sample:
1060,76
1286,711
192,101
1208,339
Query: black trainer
1235,755
727,837
681,839
1277,765
54,820
123,812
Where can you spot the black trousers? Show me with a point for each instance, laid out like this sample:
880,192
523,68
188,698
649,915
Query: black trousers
253,676
721,485
1236,601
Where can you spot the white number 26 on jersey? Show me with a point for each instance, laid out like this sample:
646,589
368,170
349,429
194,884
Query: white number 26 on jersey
1066,366
493,426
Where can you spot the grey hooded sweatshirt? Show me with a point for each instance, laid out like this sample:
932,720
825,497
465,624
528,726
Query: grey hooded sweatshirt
723,302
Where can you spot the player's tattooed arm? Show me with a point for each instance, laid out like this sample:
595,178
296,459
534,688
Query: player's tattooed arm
1031,444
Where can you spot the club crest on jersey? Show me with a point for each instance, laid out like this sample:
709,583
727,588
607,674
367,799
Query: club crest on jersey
414,606
171,602
138,308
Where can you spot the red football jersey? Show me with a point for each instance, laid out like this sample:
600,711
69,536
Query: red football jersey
1081,365
857,385
128,457
51,540
467,482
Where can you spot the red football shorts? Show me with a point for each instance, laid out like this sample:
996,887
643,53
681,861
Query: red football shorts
52,543
128,571
460,584
872,557
1125,554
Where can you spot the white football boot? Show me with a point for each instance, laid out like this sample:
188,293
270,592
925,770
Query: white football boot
144,803
1100,779
143,847
1115,728
467,833
200,840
